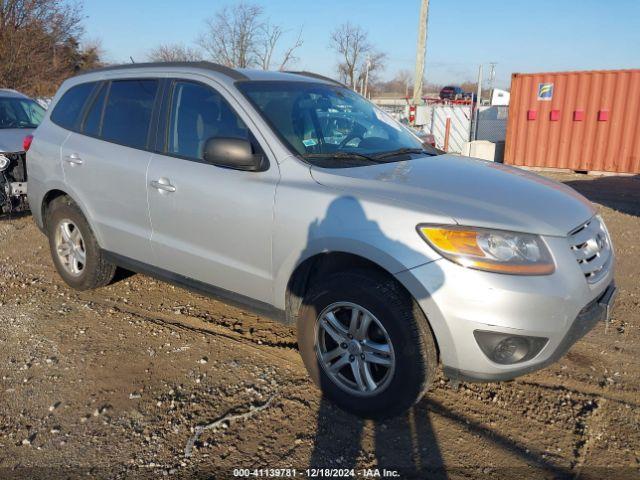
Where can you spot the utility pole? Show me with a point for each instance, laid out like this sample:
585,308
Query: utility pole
366,76
421,52
492,74
477,112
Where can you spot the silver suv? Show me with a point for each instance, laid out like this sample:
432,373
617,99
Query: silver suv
291,194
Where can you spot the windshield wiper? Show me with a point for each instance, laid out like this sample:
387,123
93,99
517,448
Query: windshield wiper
341,155
401,151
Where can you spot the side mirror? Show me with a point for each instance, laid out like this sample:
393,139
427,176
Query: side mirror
235,153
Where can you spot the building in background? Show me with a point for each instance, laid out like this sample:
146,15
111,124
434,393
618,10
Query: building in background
499,98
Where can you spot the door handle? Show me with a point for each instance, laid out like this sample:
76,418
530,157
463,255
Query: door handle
73,159
163,184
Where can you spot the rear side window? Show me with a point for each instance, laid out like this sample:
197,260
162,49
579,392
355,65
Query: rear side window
67,111
92,121
127,114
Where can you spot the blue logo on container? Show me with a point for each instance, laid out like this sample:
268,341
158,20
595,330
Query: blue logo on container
545,91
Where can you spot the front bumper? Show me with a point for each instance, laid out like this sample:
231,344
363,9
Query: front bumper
589,317
562,307
13,184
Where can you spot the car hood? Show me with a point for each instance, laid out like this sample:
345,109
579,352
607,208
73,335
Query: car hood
11,139
470,191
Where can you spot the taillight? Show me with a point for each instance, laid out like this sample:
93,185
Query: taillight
26,143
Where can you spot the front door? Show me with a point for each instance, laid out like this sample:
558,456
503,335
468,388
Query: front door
209,223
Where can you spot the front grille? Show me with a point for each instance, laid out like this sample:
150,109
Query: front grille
591,245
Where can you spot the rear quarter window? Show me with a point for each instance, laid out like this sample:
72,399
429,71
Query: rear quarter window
67,111
92,122
127,114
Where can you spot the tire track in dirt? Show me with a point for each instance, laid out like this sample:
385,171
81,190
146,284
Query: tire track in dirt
193,324
583,430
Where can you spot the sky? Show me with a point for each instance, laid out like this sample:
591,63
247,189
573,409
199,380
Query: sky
518,35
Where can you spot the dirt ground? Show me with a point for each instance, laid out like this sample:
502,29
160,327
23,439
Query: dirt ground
143,379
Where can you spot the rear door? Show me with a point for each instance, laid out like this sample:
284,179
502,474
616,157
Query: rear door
210,224
106,163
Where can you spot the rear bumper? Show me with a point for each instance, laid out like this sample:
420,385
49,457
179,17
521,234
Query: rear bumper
458,301
35,194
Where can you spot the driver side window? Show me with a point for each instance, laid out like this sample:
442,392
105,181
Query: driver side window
199,113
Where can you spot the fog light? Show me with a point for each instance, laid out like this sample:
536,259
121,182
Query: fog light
511,350
508,349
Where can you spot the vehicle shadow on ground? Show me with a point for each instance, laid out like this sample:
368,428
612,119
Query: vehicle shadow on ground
409,445
406,443
621,193
6,217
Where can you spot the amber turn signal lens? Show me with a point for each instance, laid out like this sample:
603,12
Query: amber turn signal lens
490,250
460,242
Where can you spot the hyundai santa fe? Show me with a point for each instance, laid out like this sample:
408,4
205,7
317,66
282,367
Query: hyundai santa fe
290,194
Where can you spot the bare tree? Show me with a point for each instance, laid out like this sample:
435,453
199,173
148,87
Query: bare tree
351,42
91,54
269,38
39,44
405,79
289,56
400,84
270,34
174,53
232,35
370,66
241,37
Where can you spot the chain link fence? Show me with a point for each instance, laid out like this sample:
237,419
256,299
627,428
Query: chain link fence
492,122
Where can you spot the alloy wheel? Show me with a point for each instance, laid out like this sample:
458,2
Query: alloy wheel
354,349
70,247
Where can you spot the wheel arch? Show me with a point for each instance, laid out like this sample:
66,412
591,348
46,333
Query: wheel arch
330,262
319,264
54,193
47,199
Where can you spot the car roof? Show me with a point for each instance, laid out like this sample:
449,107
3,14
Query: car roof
8,92
232,74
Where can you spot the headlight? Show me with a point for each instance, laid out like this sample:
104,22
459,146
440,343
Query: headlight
490,250
4,162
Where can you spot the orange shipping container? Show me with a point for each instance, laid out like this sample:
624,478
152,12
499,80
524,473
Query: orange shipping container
586,121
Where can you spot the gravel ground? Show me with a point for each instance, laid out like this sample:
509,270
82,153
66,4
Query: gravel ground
143,379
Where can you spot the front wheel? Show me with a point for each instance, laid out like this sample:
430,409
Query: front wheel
366,343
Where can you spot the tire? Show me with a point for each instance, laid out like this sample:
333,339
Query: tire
413,357
96,271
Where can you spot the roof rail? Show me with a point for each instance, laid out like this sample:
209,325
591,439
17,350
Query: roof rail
304,73
13,91
230,72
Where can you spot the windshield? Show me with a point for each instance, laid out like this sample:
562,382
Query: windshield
332,126
20,113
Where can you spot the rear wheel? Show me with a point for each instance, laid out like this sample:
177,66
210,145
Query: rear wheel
366,343
74,249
